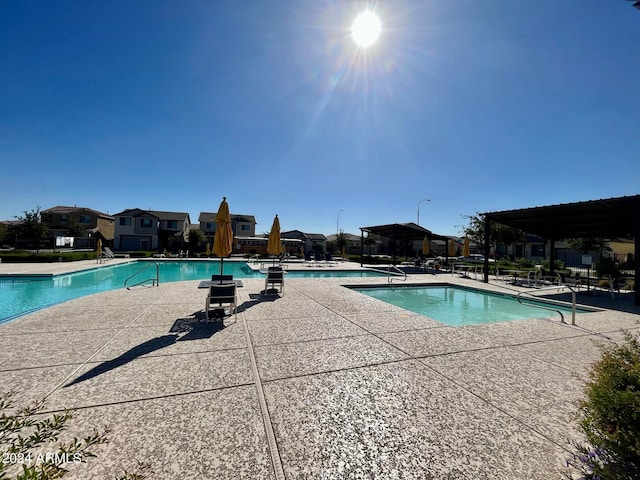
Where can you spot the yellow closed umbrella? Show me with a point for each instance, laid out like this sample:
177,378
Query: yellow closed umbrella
98,249
223,239
208,250
465,248
452,247
343,254
425,246
274,247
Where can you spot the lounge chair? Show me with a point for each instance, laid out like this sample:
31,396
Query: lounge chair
568,280
275,276
107,254
111,255
224,295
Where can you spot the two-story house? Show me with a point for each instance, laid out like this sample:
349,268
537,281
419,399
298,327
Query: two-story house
242,225
82,224
151,230
312,242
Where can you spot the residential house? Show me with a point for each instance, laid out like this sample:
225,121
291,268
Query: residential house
352,246
312,242
242,225
137,229
81,224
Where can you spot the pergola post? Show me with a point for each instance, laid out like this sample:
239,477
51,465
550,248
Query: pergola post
636,252
487,231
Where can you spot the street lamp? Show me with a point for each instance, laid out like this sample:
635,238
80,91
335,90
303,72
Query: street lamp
338,222
423,200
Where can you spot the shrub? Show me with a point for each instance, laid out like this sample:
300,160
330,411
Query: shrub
610,416
526,263
23,434
558,265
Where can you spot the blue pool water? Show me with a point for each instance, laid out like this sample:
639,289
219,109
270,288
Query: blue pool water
20,294
458,306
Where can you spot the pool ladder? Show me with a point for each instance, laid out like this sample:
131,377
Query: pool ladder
557,288
154,281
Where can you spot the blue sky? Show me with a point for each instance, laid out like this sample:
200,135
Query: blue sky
475,105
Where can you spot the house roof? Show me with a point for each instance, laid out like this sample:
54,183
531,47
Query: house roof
348,236
299,234
605,218
160,215
135,212
211,217
170,215
65,209
403,231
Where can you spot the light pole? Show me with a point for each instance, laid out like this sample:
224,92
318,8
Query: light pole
338,222
423,200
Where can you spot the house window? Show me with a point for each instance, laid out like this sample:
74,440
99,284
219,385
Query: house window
208,226
125,221
64,217
244,227
85,219
172,224
145,222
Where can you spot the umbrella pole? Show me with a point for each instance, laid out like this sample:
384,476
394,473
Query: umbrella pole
221,268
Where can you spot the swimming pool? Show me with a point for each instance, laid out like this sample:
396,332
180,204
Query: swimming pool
457,306
23,294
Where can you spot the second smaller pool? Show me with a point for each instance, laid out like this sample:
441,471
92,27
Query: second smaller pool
458,306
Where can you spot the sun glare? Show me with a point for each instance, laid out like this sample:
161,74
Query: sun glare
366,29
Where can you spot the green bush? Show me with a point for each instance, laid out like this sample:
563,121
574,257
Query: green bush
30,445
606,266
610,416
525,263
26,256
558,265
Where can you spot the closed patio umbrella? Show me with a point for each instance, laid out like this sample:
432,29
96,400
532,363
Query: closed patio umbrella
223,239
274,247
465,247
452,247
98,249
425,246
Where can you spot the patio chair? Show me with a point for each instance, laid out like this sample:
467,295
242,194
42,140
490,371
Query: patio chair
534,277
223,296
275,276
221,278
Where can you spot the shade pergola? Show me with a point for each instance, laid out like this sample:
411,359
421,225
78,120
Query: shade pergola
605,218
406,232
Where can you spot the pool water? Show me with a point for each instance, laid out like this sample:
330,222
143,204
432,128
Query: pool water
24,294
458,306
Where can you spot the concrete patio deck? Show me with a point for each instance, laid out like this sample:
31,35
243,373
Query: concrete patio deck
322,382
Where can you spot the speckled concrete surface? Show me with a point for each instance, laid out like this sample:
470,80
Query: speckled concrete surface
354,387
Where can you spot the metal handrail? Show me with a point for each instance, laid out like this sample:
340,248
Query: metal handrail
558,287
154,281
390,278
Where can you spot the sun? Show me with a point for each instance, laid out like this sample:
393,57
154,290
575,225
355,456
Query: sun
366,29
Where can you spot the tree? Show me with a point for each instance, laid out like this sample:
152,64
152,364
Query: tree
341,241
370,241
195,238
498,235
32,227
